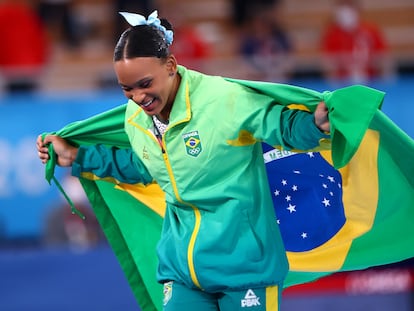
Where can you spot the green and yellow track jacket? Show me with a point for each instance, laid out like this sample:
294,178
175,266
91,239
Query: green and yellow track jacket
220,230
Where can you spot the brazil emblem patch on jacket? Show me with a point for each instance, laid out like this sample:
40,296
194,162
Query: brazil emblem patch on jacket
192,143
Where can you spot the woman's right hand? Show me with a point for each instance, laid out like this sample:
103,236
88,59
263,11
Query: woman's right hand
65,152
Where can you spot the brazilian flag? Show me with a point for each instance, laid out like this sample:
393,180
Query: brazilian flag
348,208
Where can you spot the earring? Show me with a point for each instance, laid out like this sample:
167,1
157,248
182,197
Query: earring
172,73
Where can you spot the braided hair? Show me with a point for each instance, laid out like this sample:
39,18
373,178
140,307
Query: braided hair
143,41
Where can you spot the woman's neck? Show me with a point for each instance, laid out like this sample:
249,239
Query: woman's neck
164,115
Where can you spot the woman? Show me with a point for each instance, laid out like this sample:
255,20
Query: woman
199,137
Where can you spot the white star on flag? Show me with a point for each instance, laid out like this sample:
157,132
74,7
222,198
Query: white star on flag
291,208
326,202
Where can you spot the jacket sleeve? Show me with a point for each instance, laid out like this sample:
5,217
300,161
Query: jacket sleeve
99,162
277,125
299,131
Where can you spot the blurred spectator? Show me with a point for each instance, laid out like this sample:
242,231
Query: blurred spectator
354,50
242,9
266,46
61,21
190,47
24,48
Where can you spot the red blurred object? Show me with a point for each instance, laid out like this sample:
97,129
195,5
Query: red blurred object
359,47
384,281
24,46
189,48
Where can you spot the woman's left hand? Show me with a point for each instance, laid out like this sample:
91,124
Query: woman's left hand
322,117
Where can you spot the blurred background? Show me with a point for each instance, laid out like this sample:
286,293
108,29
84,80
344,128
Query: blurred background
56,68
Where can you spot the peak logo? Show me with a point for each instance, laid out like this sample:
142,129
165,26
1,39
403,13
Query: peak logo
250,299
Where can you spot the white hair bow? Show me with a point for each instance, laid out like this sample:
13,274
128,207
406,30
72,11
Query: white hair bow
136,19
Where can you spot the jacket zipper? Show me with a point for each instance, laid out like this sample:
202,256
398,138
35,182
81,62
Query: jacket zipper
197,215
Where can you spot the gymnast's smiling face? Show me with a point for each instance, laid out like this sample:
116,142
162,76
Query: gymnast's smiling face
151,82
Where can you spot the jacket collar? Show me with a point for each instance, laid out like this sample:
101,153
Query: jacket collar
181,109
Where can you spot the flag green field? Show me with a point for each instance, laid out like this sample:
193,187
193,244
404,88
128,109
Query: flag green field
374,157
